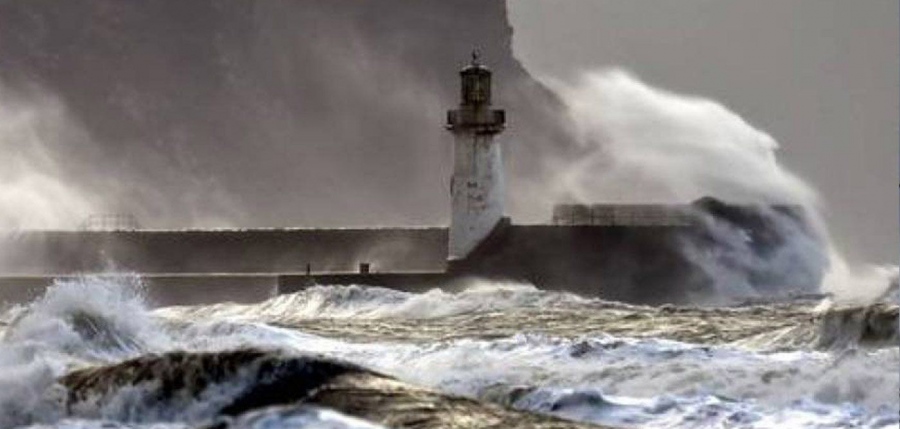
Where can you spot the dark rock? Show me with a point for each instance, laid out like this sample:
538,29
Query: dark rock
273,378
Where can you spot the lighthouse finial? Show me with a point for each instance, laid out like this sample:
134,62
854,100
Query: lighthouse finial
475,55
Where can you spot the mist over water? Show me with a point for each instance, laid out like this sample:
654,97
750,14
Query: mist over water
33,194
54,174
285,113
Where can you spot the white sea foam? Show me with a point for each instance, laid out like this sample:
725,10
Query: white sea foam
92,318
800,389
648,368
696,411
304,417
600,378
95,320
75,323
362,302
298,417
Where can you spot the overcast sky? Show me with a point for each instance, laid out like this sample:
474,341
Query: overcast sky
821,76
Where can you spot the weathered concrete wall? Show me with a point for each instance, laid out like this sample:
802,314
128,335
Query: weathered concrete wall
223,251
173,289
642,265
614,262
22,289
477,191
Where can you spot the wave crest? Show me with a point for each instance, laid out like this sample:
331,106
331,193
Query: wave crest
92,318
362,302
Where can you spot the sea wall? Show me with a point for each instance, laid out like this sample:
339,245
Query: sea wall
222,251
204,266
714,253
623,263
631,264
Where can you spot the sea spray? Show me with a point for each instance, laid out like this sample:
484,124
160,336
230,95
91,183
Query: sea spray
75,323
95,320
646,144
781,257
92,317
361,302
33,192
643,144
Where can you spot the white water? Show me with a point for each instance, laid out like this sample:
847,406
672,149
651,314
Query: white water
805,389
600,378
274,417
374,302
644,144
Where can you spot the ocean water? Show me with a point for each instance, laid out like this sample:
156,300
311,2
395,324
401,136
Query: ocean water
92,354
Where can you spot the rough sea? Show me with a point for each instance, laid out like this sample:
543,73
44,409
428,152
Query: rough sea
93,354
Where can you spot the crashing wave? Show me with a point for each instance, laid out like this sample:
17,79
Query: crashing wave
870,325
668,411
75,323
515,346
500,310
361,302
93,318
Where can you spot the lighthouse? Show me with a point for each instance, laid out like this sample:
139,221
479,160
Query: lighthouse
476,187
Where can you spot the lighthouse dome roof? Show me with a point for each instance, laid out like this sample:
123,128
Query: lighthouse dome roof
475,67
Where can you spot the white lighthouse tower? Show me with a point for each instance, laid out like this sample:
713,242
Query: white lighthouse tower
477,184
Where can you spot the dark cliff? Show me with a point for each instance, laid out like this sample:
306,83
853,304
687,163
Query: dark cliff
276,113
